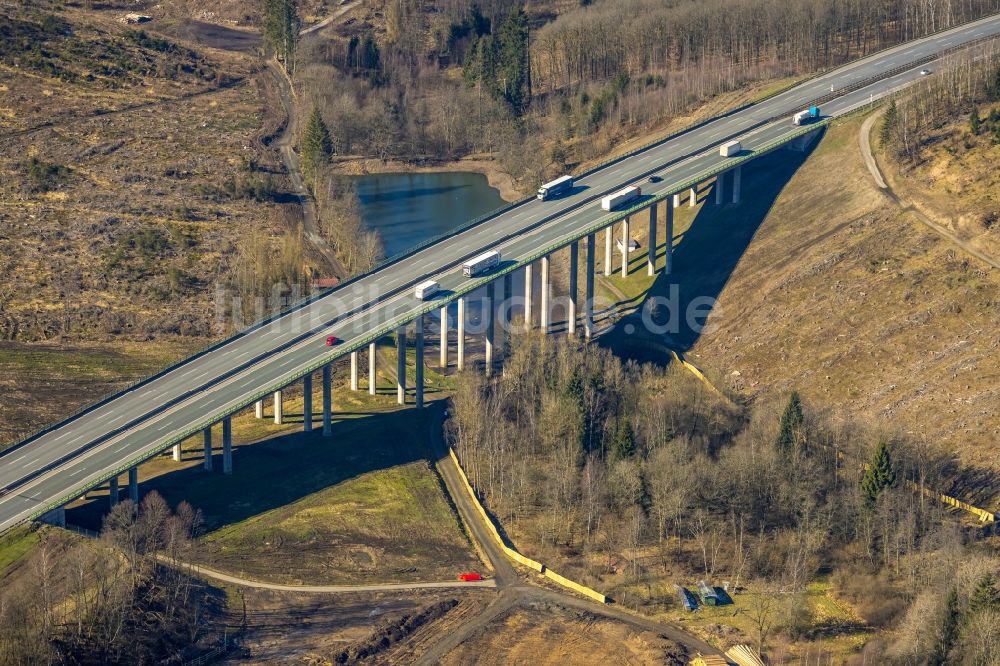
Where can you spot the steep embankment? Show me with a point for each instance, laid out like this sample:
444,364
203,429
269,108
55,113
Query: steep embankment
848,299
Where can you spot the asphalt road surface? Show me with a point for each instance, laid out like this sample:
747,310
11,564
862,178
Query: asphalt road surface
80,453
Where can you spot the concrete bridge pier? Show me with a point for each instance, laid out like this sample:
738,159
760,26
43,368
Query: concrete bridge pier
460,330
227,446
401,365
719,181
443,361
279,408
307,403
528,296
574,288
258,409
677,200
372,356
508,297
327,400
608,241
133,482
651,252
625,247
588,302
418,343
206,435
546,289
668,266
354,370
736,184
113,491
693,199
488,307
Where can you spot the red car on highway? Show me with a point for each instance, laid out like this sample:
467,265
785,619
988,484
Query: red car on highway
331,340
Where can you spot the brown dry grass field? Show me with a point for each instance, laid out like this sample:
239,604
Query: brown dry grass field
862,309
557,636
957,183
126,171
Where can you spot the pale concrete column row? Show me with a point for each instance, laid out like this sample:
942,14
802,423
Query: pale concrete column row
574,259
588,303
626,241
693,199
418,343
307,403
354,370
372,357
401,365
545,294
677,200
668,261
608,240
488,308
528,284
443,362
279,408
258,408
508,294
176,453
651,253
460,331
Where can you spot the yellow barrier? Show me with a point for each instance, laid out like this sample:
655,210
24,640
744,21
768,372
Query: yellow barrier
693,369
983,515
513,554
585,591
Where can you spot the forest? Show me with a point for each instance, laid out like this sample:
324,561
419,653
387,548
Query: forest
545,86
121,598
630,476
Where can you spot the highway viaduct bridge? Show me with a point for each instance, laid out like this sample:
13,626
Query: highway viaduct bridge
42,473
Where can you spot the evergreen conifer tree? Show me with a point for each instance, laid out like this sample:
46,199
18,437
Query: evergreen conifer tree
317,147
790,433
879,476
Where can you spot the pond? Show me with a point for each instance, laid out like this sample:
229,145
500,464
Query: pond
408,208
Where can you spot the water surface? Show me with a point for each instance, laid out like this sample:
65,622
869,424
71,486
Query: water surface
408,208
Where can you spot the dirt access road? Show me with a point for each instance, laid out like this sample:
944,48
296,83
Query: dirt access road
513,590
864,142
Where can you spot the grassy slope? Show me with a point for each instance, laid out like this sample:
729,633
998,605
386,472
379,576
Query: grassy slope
362,506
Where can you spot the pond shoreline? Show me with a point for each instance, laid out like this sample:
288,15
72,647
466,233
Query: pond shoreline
365,166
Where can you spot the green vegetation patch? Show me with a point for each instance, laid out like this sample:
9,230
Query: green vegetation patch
16,544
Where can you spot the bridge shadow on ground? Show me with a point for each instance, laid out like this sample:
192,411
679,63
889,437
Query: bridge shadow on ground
672,313
279,470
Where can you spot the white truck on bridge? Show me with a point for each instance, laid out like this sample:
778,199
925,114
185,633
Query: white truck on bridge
425,290
556,187
804,117
730,149
612,201
481,264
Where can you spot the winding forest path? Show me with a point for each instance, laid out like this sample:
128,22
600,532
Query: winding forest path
864,142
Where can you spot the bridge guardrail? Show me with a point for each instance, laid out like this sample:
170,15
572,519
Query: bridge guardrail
388,328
